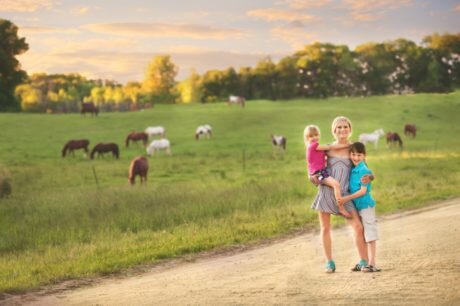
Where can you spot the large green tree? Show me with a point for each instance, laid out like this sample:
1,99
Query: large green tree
11,74
159,81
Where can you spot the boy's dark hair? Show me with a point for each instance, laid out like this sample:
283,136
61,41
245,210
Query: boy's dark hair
358,147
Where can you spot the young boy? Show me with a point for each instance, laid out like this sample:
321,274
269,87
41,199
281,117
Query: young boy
363,201
316,163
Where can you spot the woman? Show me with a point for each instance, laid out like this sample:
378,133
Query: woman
339,166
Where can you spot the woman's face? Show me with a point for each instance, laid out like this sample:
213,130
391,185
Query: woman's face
342,130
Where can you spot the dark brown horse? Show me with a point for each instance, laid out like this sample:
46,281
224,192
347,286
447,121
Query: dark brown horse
139,166
393,138
102,148
72,145
89,108
136,136
410,130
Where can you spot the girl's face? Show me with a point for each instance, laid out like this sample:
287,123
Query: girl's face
342,130
356,158
314,137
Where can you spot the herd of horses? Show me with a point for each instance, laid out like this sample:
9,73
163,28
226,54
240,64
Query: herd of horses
393,138
139,165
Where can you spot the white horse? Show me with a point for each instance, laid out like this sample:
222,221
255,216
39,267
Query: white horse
279,142
236,100
157,145
155,130
372,137
203,130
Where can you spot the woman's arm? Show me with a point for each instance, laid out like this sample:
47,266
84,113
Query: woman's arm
332,147
367,178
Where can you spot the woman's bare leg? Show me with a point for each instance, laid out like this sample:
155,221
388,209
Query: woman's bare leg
325,223
358,235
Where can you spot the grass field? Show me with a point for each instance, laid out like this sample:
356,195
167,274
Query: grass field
59,223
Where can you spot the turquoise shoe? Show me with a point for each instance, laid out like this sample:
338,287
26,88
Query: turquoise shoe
330,266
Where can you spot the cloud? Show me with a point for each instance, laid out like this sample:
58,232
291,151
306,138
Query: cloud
296,37
24,5
78,11
457,8
44,30
305,4
166,30
281,15
130,66
365,10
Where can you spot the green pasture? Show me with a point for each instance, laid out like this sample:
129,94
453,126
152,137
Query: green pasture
69,218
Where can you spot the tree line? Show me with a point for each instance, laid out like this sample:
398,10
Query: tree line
319,70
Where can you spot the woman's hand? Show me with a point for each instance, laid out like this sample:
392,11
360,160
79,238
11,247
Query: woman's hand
367,178
314,179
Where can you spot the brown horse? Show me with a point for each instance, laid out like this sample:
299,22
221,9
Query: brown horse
89,108
410,130
136,136
102,148
72,145
392,138
139,166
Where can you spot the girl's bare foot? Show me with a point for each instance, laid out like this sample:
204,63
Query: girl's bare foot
344,213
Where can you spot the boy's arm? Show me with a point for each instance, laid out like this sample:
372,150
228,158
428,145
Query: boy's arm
332,147
355,195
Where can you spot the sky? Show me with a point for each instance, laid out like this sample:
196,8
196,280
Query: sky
113,39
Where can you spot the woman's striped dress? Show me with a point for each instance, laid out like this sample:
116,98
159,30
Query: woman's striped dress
338,168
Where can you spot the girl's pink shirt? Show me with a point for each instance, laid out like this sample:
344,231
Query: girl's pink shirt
316,159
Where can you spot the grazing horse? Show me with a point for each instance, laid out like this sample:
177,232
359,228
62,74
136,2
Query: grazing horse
136,136
392,138
372,137
410,129
139,166
89,108
279,142
102,148
203,130
157,145
155,130
236,100
72,145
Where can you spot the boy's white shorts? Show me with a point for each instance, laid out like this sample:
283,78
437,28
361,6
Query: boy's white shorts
369,223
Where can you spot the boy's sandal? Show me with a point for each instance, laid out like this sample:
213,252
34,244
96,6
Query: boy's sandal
370,268
359,266
330,267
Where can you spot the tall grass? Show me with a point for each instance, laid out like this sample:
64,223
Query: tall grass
60,223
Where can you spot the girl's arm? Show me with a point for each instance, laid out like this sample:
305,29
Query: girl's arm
355,195
332,147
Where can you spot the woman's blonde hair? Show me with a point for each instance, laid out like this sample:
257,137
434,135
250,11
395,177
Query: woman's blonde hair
336,122
310,130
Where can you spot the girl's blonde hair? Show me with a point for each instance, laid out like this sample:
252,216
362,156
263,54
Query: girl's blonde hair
336,122
310,130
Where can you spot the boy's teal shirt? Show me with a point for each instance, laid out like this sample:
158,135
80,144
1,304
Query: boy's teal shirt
357,172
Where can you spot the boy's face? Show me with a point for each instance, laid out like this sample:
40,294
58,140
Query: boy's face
356,158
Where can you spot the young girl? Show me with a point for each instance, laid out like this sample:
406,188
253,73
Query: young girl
316,163
363,202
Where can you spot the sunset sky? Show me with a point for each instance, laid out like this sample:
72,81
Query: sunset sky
115,39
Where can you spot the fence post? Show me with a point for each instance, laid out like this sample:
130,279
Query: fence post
95,175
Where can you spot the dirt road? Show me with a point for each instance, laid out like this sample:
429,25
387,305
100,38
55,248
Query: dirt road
418,252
